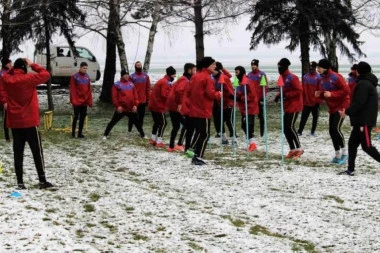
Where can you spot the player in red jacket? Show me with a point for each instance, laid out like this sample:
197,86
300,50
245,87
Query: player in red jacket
310,83
157,106
141,81
201,95
174,106
293,104
255,76
6,65
222,79
334,90
249,86
23,116
80,97
125,101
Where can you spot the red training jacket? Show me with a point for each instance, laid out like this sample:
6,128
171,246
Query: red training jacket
23,110
292,93
228,90
176,94
340,93
3,94
310,83
142,84
252,98
125,95
159,95
80,90
201,94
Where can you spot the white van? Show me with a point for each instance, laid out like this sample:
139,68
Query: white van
64,63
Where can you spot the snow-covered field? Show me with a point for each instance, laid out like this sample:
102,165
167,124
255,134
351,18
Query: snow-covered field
122,195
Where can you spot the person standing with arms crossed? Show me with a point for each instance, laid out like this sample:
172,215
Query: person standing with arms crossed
80,97
23,116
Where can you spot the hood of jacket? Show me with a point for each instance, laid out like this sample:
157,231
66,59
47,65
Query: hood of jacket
370,77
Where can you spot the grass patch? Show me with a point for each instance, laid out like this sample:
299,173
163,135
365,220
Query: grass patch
195,246
89,208
138,237
298,245
335,198
79,233
94,197
236,222
111,227
129,209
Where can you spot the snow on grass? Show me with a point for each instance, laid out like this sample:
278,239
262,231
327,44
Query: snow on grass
123,195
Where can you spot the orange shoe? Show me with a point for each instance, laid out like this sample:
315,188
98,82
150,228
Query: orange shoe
179,148
170,149
291,154
252,147
298,153
160,145
152,142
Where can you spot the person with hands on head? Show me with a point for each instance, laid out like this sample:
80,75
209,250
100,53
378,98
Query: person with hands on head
363,116
80,98
334,90
6,65
125,101
293,104
23,116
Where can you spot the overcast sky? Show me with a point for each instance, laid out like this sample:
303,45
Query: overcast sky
230,46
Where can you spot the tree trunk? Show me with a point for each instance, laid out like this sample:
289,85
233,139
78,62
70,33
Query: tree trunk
110,68
48,64
199,34
5,29
121,49
152,34
304,45
330,44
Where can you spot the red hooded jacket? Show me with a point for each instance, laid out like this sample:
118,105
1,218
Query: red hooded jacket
340,92
159,95
80,90
3,94
310,83
228,90
200,95
255,77
292,89
252,98
142,84
23,110
176,94
125,95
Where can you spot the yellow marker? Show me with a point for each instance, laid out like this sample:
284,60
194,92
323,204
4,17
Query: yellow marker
1,167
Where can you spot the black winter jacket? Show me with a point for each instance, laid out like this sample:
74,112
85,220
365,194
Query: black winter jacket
364,106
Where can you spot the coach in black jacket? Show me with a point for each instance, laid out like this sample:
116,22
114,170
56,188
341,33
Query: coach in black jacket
363,115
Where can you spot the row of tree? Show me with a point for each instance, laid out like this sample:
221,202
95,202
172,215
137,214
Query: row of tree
324,25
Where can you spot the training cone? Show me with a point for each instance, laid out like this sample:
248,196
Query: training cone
15,195
263,81
280,82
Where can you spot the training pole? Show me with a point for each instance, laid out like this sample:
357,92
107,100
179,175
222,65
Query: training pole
235,84
263,83
221,117
246,118
280,83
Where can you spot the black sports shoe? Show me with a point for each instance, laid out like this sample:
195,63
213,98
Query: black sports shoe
225,142
21,187
80,136
197,161
46,185
347,172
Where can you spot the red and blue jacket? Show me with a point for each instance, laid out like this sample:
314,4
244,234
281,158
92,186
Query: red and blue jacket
124,94
255,77
21,88
141,81
293,101
310,84
80,90
340,92
176,94
227,90
352,83
159,95
250,94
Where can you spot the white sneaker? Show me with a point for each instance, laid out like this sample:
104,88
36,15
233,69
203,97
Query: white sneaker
104,138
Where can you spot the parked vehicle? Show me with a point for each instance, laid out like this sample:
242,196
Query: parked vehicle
65,63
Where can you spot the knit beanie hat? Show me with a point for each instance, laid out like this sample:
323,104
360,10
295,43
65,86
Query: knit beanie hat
171,71
354,67
255,62
284,62
219,66
324,63
207,61
364,68
313,64
123,72
20,64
